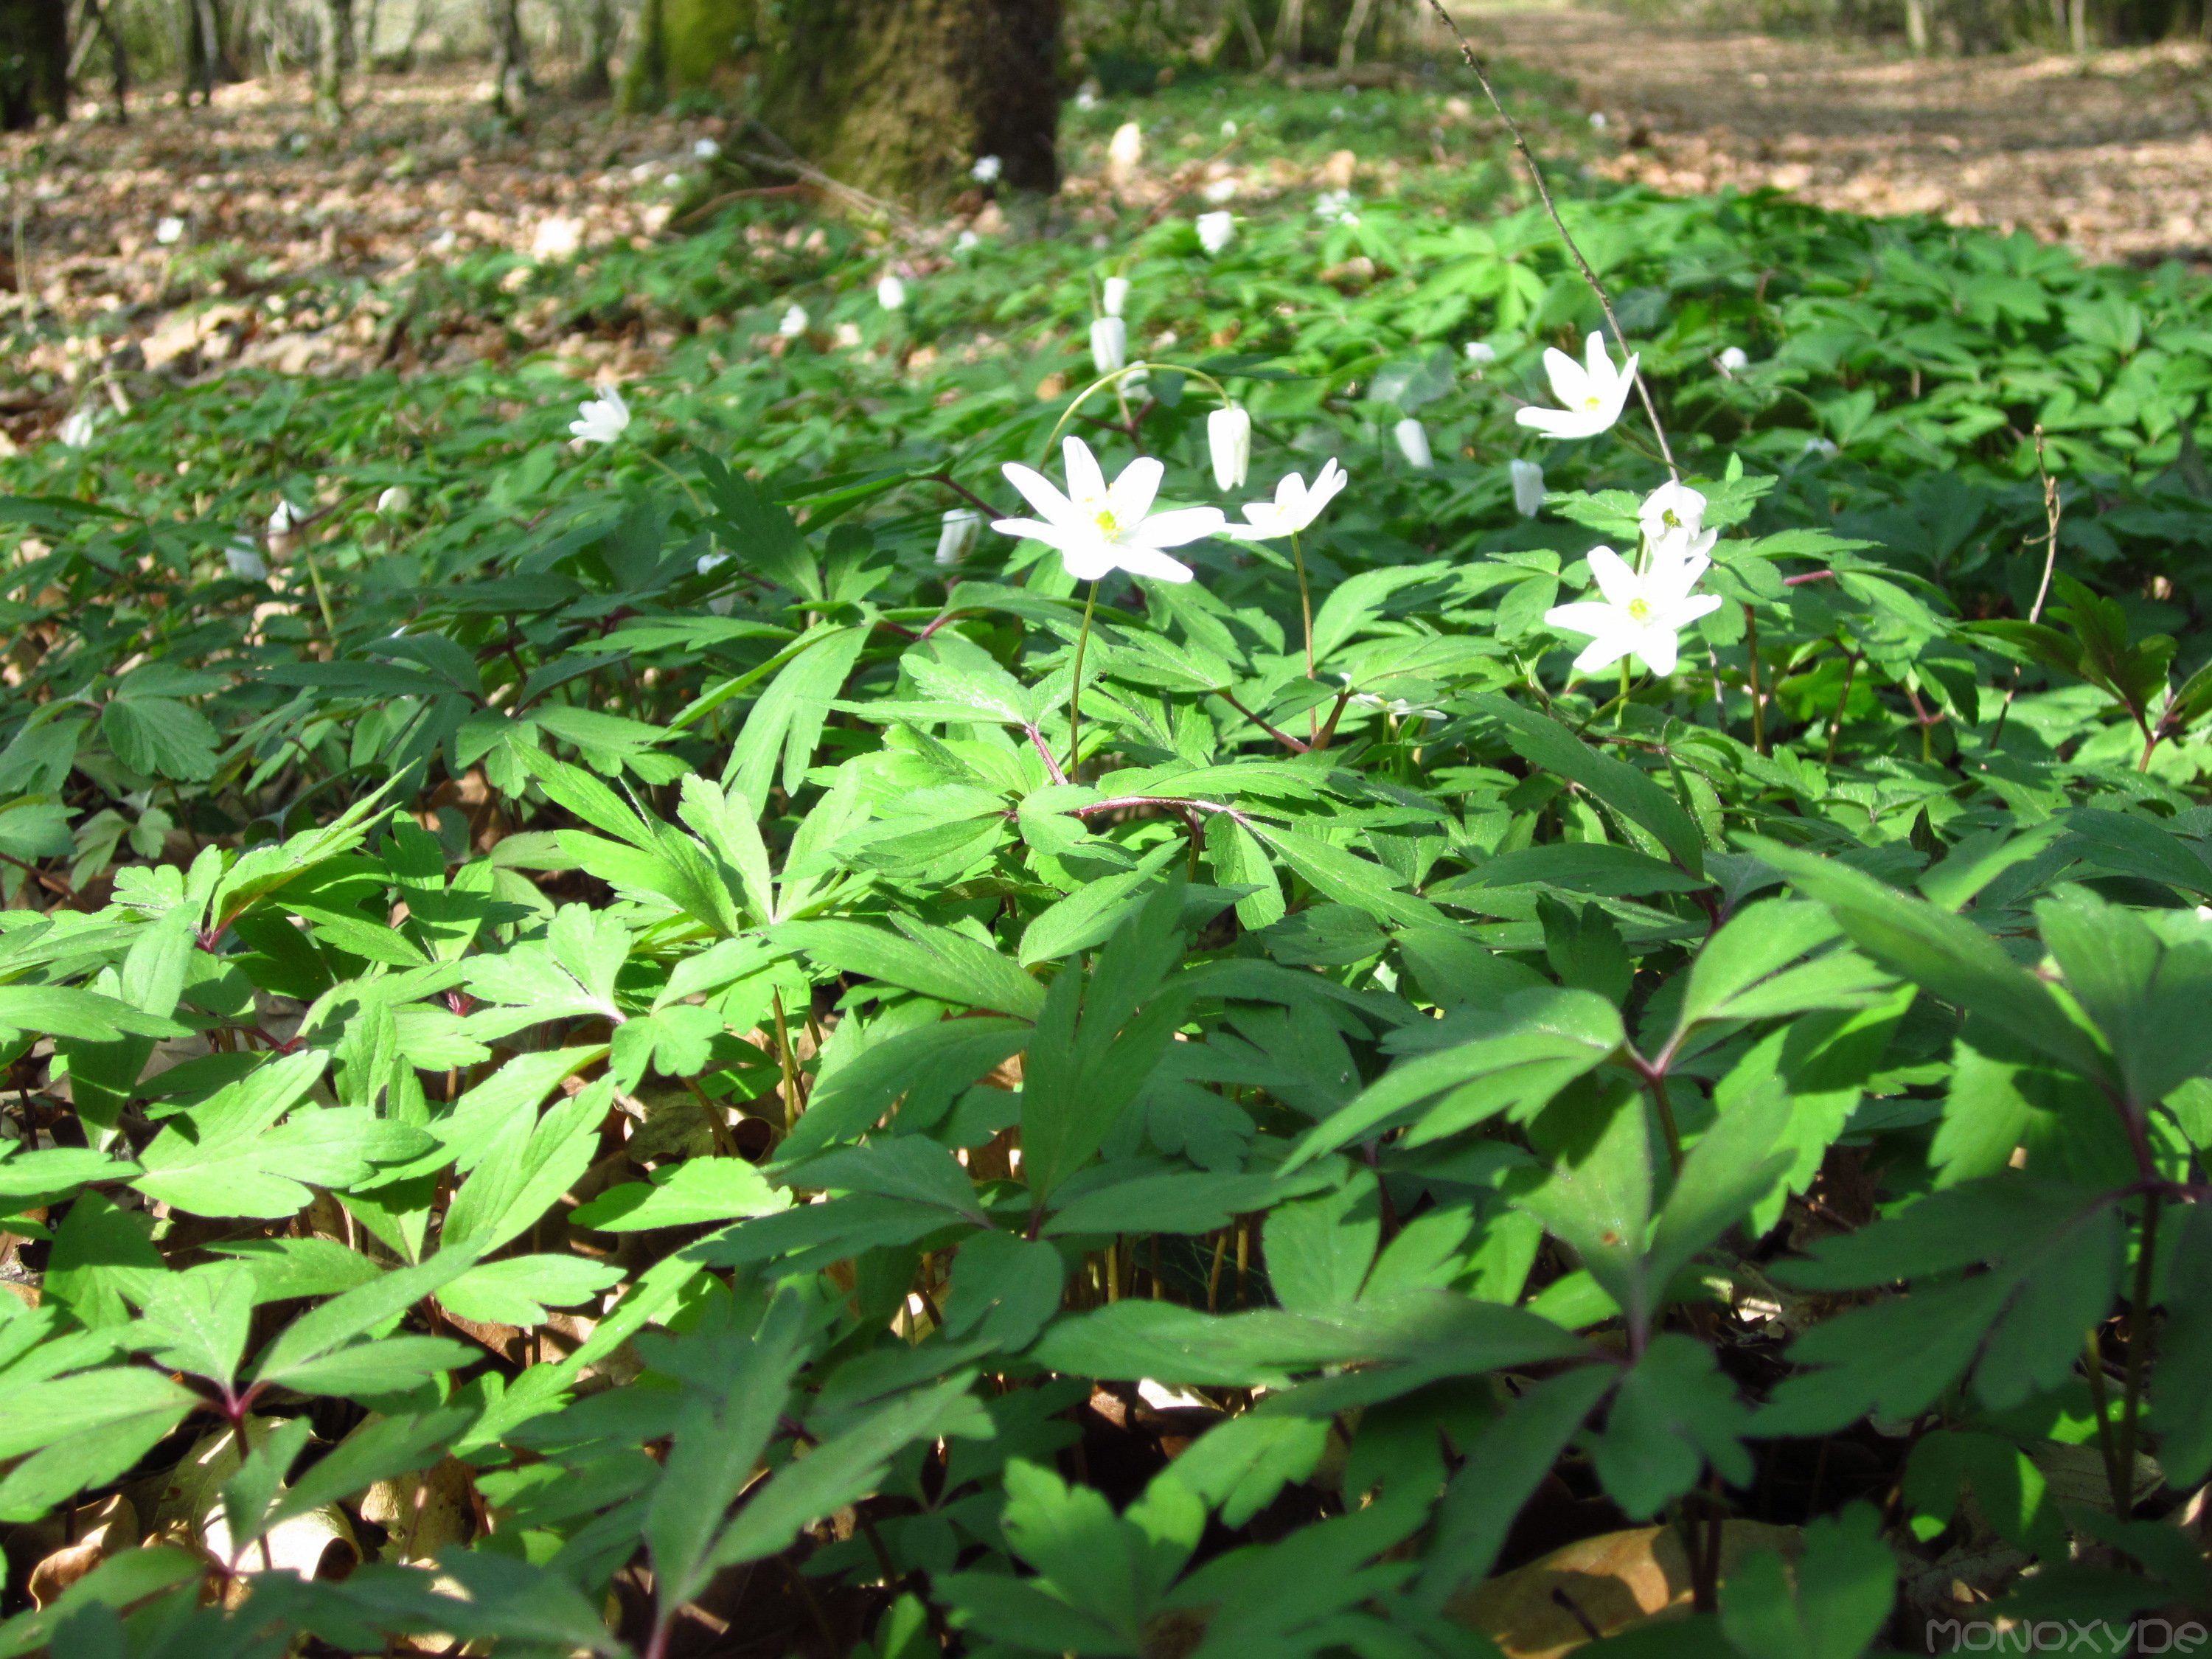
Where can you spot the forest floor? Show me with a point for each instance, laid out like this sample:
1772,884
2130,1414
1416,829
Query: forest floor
2112,154
243,234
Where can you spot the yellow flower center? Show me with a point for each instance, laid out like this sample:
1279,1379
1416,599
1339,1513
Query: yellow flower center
1108,525
1592,401
1639,610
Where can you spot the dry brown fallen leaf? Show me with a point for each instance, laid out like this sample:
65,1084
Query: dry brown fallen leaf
114,1529
318,1544
1613,1581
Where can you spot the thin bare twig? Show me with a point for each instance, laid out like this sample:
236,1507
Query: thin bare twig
2052,510
1544,194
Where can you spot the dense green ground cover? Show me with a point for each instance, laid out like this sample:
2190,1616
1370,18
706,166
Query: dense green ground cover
1346,1111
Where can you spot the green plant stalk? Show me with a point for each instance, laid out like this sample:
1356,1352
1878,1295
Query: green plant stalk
1075,686
1751,674
2093,1364
1305,615
322,595
2138,1344
789,1062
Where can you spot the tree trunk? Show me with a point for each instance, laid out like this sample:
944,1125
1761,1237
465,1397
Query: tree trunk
2077,25
902,97
334,55
1290,35
1347,51
34,61
600,27
510,59
1916,26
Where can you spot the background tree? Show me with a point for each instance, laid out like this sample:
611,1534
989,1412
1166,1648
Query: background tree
34,61
901,97
510,56
601,26
334,54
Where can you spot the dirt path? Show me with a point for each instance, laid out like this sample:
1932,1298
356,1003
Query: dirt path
2112,156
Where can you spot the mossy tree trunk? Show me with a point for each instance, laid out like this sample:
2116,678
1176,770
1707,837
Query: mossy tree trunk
902,97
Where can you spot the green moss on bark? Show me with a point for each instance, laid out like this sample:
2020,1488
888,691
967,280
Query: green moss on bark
901,97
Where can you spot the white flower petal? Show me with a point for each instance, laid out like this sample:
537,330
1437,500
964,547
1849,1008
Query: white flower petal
1603,652
1133,493
1085,483
1659,649
1040,492
1176,529
1150,562
1621,585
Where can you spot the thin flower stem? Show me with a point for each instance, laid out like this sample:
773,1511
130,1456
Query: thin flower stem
1075,688
1544,194
1115,381
322,597
681,483
2138,1344
1305,615
789,1062
1750,671
2093,1364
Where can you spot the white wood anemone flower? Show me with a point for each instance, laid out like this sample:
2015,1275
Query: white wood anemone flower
1641,614
1673,519
1297,504
600,420
1593,392
1098,528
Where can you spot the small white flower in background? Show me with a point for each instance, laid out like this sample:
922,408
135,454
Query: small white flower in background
1229,129
441,244
1336,112
1098,528
1336,206
1297,504
1221,189
1396,707
1594,392
1733,360
1216,230
987,169
1481,354
674,181
600,420
394,501
1640,616
705,149
1110,345
1229,443
1125,149
558,238
957,534
890,293
1113,295
1528,487
1673,519
1086,96
1597,120
169,232
849,335
242,560
283,520
1821,447
720,605
76,431
793,324
1413,444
